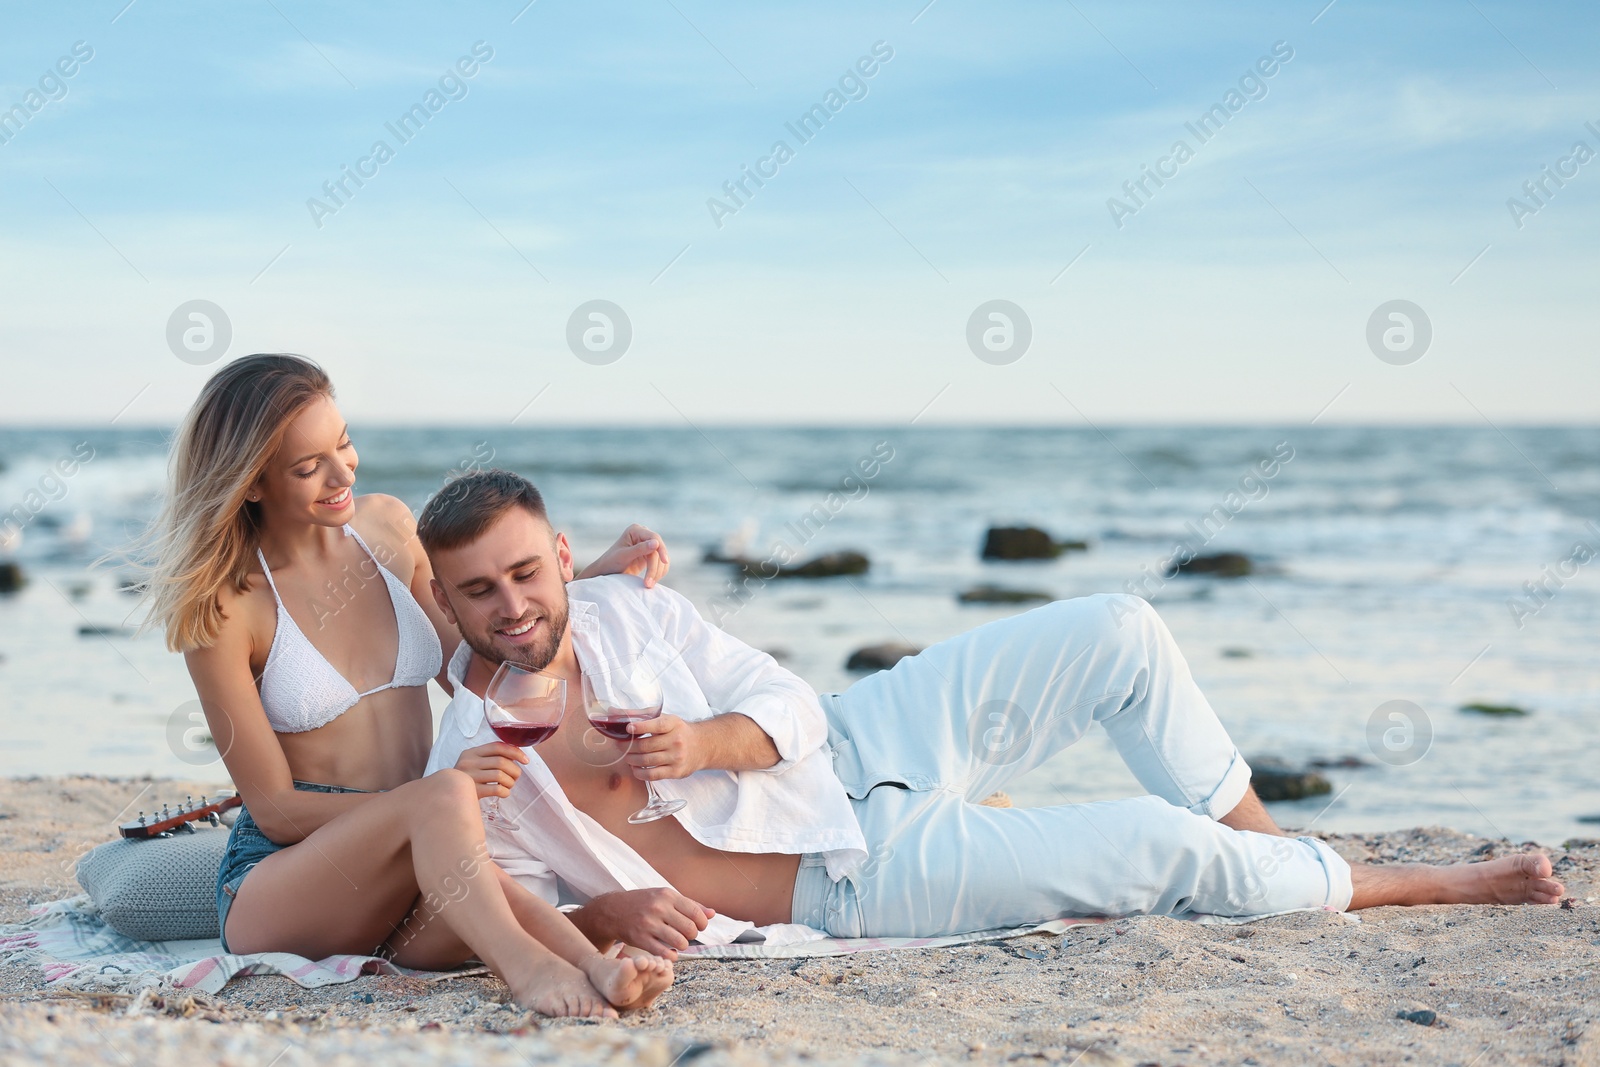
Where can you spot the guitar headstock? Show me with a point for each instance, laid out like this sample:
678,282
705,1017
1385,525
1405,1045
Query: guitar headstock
168,819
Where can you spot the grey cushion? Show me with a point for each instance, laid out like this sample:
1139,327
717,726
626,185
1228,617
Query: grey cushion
161,889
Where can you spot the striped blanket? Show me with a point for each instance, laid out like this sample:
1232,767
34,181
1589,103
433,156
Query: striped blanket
75,948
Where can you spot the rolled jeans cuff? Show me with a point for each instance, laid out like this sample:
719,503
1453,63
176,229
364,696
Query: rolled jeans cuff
1337,868
1226,796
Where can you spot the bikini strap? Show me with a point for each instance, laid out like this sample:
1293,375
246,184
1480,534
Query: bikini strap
268,572
350,531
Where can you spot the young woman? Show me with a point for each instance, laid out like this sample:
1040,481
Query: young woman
304,616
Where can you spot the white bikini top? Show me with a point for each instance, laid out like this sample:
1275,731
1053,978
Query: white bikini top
301,690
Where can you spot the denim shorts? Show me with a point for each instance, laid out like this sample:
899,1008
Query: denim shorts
248,846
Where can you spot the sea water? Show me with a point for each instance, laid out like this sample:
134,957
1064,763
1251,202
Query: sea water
1440,566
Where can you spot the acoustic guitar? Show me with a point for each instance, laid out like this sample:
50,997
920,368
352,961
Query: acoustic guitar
167,821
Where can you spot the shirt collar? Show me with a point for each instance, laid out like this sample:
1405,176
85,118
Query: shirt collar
457,670
583,615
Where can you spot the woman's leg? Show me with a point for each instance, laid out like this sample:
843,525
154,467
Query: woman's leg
425,942
346,887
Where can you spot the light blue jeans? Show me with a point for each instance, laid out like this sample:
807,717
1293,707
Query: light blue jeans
919,745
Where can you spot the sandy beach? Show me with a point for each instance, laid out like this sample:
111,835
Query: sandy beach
1508,985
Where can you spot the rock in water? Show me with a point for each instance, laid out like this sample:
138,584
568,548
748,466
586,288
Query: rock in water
11,578
879,657
89,629
994,594
1509,711
1276,780
1220,565
1019,542
828,565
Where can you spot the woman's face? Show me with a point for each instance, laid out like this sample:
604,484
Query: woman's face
311,477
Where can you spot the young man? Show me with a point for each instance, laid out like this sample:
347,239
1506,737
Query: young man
857,813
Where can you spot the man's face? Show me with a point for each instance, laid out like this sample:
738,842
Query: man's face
507,591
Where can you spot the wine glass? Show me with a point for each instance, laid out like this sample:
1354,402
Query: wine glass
625,691
523,708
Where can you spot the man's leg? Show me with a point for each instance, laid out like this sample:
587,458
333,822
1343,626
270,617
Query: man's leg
1251,814
939,865
973,713
1524,879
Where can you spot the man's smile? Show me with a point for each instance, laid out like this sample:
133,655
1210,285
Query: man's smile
520,633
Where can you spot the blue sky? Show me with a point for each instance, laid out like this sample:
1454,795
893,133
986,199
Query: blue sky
577,163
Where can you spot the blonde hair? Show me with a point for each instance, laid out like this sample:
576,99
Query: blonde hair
203,540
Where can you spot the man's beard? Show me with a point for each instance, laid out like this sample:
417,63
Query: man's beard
535,657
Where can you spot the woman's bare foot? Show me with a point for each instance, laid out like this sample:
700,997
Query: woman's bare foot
624,981
657,972
1521,879
558,989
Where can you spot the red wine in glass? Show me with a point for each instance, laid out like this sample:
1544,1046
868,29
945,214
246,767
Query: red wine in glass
523,708
613,722
620,693
521,734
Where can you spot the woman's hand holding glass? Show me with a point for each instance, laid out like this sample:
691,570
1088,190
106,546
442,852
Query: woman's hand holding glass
523,707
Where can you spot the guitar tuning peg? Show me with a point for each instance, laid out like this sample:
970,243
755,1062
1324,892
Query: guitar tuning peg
141,818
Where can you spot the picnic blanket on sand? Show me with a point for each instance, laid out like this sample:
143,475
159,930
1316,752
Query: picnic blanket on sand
76,949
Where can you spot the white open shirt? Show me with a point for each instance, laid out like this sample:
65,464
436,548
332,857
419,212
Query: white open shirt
796,806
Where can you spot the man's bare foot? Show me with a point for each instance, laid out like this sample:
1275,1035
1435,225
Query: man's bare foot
624,981
558,989
1521,879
